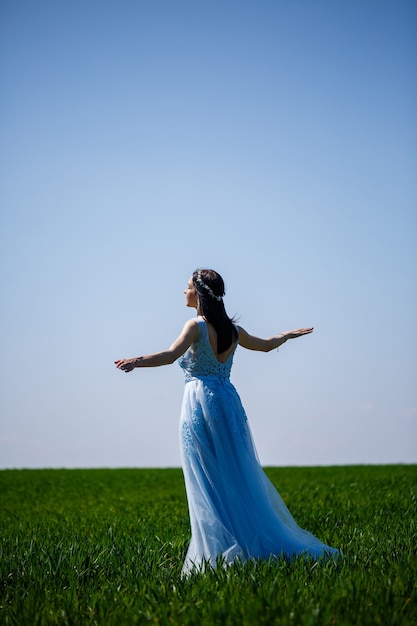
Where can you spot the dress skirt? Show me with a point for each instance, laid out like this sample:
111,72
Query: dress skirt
235,511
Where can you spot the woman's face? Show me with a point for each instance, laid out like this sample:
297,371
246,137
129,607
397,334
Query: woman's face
191,295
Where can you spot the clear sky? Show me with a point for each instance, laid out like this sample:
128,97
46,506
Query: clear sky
272,140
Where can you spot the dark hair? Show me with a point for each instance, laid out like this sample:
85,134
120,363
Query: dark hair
209,286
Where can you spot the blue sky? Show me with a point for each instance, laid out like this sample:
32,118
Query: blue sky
274,141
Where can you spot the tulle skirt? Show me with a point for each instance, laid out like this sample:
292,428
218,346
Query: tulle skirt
235,511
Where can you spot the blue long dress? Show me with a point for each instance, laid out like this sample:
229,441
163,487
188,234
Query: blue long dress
235,511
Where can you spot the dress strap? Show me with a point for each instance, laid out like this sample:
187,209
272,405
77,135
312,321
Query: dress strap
202,328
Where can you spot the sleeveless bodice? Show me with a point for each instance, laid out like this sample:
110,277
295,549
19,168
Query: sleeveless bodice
199,361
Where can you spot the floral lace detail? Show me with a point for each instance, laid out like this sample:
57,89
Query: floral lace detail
186,438
211,401
200,360
238,424
195,431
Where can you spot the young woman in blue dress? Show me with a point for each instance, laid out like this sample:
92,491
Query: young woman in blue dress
235,511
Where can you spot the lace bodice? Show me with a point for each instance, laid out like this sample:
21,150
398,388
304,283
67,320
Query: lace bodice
200,361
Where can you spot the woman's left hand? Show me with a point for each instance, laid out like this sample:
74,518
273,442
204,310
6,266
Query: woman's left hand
293,334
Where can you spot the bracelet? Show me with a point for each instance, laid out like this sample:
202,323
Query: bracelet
284,336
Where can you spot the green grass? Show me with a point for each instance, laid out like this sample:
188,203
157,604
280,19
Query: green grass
106,547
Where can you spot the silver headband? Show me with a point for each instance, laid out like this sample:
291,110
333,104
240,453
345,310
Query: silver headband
202,284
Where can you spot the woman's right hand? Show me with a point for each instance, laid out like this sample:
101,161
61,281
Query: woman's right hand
127,365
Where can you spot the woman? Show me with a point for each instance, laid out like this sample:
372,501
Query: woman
235,511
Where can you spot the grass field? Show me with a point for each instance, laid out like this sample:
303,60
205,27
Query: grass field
106,547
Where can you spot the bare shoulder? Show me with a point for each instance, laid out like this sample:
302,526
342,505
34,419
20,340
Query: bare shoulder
241,332
191,328
188,335
242,335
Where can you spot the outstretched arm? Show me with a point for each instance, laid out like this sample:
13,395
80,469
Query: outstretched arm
265,345
188,335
